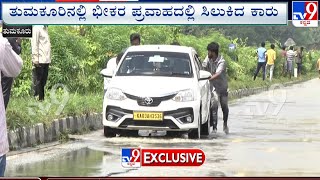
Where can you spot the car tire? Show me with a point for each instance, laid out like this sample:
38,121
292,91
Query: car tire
174,134
205,128
109,132
214,120
196,133
129,133
214,116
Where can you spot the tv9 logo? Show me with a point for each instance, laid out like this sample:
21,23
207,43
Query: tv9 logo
305,13
131,157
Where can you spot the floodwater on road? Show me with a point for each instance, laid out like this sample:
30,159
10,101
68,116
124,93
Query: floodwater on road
275,133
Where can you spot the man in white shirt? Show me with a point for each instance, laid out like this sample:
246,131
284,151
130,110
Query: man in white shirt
41,58
290,58
10,66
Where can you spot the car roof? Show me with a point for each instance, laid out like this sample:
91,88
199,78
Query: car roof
166,48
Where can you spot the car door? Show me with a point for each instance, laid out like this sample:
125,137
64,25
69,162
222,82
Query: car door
204,89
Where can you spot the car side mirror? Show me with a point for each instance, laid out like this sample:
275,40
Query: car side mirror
204,75
106,73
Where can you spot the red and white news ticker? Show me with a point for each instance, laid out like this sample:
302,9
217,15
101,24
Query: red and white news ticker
137,157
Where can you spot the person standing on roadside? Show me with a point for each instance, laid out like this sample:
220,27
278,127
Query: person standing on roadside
271,57
290,58
7,82
261,53
284,60
299,57
41,59
10,66
216,65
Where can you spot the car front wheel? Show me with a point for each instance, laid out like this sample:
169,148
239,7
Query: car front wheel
196,133
174,134
129,133
109,132
206,127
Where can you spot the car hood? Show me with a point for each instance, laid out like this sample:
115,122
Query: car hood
151,86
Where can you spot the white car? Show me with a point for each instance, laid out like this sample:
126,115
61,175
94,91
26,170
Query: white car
157,87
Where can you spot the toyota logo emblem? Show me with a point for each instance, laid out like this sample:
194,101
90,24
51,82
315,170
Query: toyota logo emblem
148,100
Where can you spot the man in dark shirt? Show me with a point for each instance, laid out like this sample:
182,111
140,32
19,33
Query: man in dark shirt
299,60
216,65
135,39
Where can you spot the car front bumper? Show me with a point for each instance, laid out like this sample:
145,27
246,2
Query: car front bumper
174,115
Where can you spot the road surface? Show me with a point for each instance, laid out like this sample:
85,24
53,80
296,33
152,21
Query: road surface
275,133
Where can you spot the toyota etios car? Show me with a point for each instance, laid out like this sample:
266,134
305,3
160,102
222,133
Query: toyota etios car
157,87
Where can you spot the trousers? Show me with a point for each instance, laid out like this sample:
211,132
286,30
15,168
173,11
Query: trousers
3,162
40,74
271,67
299,67
223,100
6,83
259,66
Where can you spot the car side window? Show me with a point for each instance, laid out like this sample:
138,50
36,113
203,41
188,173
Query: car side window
198,61
197,65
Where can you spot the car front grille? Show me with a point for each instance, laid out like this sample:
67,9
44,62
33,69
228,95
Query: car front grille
165,123
155,100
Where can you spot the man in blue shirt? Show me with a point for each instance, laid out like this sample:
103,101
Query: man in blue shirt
261,52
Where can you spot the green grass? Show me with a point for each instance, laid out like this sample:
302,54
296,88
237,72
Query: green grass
27,111
250,83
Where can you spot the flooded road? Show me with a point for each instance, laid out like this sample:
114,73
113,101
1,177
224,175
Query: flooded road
275,133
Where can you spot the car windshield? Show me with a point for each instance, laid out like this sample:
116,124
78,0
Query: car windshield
148,63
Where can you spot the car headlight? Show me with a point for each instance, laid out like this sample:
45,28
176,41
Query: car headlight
115,94
184,96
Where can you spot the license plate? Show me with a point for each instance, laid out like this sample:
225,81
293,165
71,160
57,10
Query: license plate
148,116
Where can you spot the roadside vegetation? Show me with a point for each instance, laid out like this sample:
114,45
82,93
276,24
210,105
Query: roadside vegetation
80,52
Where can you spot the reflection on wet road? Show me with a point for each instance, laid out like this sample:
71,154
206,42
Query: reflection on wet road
82,162
275,133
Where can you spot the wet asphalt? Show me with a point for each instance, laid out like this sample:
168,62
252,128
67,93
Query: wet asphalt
274,133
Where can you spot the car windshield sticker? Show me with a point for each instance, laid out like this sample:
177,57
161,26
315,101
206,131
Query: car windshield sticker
156,58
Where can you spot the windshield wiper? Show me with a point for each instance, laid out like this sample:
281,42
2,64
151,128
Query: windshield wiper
178,74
